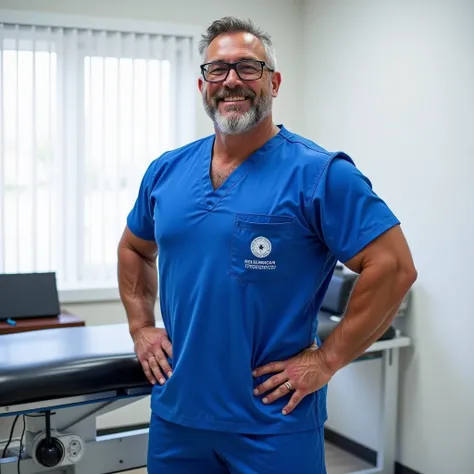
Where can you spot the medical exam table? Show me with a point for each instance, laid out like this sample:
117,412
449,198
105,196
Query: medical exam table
55,383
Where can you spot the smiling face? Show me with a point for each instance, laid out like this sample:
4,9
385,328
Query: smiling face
236,105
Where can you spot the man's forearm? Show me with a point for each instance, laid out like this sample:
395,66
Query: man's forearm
137,280
373,305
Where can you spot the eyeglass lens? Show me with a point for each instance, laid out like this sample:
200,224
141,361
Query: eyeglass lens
246,70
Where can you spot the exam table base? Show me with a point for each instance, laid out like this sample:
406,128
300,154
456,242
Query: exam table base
102,454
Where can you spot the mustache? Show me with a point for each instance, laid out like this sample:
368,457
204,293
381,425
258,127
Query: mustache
238,91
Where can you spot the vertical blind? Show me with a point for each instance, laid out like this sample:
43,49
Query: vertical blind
82,114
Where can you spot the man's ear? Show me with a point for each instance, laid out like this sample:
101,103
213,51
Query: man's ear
276,82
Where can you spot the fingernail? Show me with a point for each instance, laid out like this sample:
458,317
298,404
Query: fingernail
169,373
284,412
254,373
255,392
162,381
265,400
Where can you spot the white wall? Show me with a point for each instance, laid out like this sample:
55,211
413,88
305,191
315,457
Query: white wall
392,83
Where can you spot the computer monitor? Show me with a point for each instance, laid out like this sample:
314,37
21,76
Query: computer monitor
28,295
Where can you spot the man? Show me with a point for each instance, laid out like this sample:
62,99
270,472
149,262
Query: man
250,223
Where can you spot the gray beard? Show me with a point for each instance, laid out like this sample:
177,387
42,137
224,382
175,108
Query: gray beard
237,124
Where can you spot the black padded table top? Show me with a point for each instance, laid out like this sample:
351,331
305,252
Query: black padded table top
66,362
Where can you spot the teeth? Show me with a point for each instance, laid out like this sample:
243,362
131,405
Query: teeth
233,99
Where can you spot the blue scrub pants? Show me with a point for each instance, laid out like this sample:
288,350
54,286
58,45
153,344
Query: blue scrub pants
175,449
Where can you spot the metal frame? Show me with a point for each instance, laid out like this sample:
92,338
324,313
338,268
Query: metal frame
77,415
387,448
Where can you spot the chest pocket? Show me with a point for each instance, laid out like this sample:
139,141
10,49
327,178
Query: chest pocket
261,248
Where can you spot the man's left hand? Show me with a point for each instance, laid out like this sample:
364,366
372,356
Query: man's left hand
302,374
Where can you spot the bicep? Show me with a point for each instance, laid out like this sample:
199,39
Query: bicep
390,251
148,249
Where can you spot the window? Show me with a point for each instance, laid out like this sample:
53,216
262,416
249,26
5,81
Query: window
83,111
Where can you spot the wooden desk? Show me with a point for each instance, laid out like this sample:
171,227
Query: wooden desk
35,324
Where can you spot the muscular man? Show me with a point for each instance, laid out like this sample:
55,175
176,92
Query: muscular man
250,223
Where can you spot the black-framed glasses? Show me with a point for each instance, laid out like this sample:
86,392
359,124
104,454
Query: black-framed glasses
247,70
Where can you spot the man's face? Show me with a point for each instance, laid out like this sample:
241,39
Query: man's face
235,105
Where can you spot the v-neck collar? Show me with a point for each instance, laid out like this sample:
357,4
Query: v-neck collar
212,196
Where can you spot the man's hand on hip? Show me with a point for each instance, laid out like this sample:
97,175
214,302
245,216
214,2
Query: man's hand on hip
152,347
302,374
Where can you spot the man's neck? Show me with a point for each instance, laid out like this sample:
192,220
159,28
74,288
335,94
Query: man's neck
232,148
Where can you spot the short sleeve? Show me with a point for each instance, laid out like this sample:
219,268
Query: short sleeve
346,212
140,219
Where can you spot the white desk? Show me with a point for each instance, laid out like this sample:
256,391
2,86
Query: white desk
387,448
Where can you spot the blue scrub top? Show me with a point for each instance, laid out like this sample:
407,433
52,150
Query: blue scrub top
243,271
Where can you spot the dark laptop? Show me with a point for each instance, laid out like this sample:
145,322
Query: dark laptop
28,295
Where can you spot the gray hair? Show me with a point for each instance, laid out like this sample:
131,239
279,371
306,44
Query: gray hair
230,24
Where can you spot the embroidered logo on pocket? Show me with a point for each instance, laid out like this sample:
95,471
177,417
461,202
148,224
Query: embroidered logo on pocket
261,247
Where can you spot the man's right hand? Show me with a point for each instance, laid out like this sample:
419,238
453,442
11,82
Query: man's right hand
152,347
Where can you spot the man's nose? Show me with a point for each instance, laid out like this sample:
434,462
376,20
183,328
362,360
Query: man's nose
232,79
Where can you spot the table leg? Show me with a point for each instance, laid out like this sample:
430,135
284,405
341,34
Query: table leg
386,451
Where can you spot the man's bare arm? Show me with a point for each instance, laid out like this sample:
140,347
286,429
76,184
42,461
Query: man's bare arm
137,279
386,273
